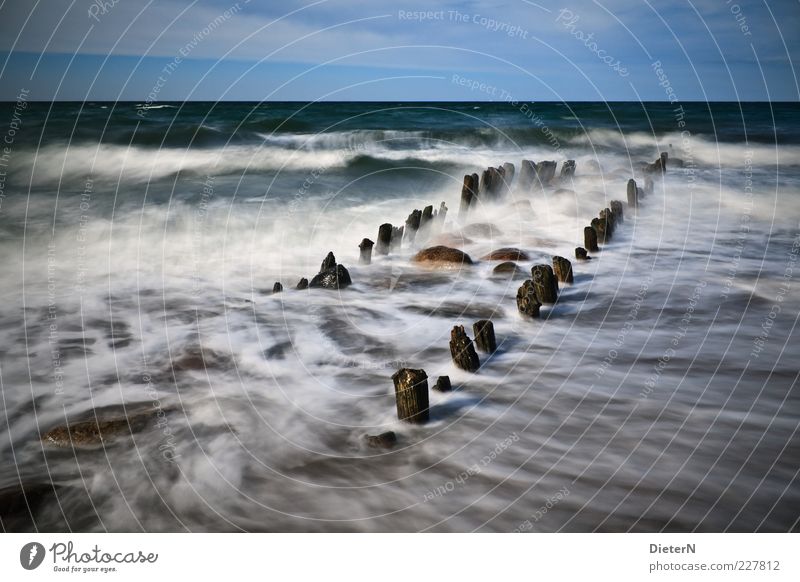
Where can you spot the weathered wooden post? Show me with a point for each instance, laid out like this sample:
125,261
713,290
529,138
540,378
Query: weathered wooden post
384,239
600,228
581,254
544,283
648,185
411,393
365,258
277,287
397,238
443,384
302,284
616,208
440,217
546,171
462,351
526,300
469,192
484,336
563,269
527,173
412,226
568,169
608,216
661,162
508,175
633,195
427,216
590,239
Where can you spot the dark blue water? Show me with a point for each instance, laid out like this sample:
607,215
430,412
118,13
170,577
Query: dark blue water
140,245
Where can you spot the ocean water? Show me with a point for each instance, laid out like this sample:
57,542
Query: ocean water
140,245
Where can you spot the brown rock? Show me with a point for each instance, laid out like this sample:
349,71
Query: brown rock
443,256
507,254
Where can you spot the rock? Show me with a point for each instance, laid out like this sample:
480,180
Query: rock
97,431
526,300
195,358
277,287
331,275
544,282
481,230
507,254
508,269
385,440
443,384
302,284
581,254
562,269
462,351
335,278
451,239
328,263
444,256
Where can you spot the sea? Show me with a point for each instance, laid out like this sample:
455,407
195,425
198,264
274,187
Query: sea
141,242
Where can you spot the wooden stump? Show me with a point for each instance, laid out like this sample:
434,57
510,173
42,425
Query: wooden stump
616,208
440,217
648,185
661,162
366,251
544,283
633,195
462,351
412,226
527,173
396,240
546,171
427,216
443,384
302,284
484,336
469,191
608,216
411,393
277,287
600,226
581,254
384,239
590,239
563,269
526,300
508,175
568,169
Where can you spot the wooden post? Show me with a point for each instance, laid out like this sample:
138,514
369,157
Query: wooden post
440,217
581,254
427,215
366,251
302,284
443,384
544,283
526,300
648,185
277,287
563,269
633,196
508,175
662,162
462,351
590,239
608,216
411,393
469,192
412,226
484,336
616,208
568,169
600,227
527,172
397,238
384,239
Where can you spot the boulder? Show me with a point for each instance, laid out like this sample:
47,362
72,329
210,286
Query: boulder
508,269
507,254
331,275
385,440
441,255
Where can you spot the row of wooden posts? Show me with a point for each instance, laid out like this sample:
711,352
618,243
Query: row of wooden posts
411,385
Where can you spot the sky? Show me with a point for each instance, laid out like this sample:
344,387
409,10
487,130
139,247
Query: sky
399,50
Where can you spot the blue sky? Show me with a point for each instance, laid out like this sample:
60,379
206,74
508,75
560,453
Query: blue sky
381,50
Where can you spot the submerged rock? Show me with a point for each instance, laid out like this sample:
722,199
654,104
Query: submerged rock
508,269
385,440
441,255
507,254
97,431
481,230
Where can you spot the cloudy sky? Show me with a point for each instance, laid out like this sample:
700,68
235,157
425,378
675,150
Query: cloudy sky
399,50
